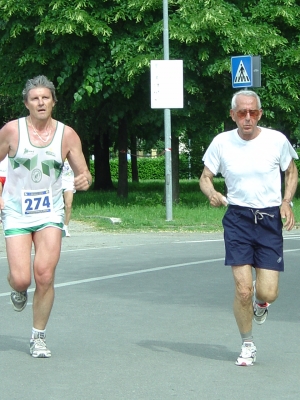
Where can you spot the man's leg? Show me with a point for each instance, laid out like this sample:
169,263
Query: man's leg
18,250
266,292
68,200
243,312
266,285
242,305
47,244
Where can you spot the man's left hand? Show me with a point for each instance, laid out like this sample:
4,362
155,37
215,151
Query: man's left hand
287,214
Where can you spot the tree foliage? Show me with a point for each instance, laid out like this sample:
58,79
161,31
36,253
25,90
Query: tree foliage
98,54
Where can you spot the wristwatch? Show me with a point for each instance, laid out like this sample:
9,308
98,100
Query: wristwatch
289,202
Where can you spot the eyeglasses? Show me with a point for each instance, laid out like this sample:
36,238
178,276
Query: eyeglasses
243,113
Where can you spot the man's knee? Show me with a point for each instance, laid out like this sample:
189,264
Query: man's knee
44,280
266,285
272,296
244,294
44,276
268,295
19,282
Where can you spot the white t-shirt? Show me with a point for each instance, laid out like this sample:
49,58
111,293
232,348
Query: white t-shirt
251,168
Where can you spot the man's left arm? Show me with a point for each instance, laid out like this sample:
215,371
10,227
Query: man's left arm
290,183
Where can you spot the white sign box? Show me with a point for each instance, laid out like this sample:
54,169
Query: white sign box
166,83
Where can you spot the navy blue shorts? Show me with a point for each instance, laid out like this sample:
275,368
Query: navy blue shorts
253,237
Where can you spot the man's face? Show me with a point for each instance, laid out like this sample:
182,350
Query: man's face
246,116
40,103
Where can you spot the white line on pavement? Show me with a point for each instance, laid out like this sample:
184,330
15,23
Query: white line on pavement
141,271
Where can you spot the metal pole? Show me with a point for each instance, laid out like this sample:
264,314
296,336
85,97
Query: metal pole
167,116
190,164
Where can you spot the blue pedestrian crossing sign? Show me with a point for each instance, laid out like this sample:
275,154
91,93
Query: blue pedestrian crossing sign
241,71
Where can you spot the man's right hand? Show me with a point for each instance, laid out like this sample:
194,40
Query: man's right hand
218,200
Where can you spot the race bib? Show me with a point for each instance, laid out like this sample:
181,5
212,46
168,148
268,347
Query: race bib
37,201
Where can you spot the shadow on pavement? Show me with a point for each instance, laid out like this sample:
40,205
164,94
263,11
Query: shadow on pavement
214,352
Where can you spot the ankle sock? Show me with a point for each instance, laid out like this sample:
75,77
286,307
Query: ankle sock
37,333
247,337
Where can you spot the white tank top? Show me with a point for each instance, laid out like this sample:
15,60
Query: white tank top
33,191
3,167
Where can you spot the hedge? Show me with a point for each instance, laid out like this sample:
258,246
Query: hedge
150,168
154,168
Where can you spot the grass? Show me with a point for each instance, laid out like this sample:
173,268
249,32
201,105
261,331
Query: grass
145,210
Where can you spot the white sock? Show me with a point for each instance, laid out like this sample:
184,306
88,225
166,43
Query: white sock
37,333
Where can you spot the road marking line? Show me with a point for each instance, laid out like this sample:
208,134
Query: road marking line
141,271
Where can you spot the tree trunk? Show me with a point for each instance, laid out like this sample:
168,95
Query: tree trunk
122,148
175,168
134,165
101,164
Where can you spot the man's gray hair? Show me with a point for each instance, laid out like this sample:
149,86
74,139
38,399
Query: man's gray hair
245,93
38,81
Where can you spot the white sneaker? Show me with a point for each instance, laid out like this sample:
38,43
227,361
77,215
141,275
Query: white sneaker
18,300
247,356
260,311
67,234
38,348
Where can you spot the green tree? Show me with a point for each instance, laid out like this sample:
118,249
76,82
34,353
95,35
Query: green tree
98,54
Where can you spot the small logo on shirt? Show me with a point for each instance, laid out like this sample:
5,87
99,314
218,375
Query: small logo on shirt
36,175
279,260
50,153
28,151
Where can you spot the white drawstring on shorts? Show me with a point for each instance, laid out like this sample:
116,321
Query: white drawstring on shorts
260,215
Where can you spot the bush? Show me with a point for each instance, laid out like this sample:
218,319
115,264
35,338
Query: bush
297,162
152,168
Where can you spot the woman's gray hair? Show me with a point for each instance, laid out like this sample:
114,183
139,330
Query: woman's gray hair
245,93
38,81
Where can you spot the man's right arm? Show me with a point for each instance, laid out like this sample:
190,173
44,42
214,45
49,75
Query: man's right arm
9,139
216,199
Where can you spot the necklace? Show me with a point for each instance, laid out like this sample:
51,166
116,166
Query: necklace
37,134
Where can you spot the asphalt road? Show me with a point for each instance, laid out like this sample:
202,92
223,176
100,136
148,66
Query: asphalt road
149,317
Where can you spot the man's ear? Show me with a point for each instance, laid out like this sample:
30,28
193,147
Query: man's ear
261,113
232,115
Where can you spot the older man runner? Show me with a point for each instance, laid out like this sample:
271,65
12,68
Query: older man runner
250,159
